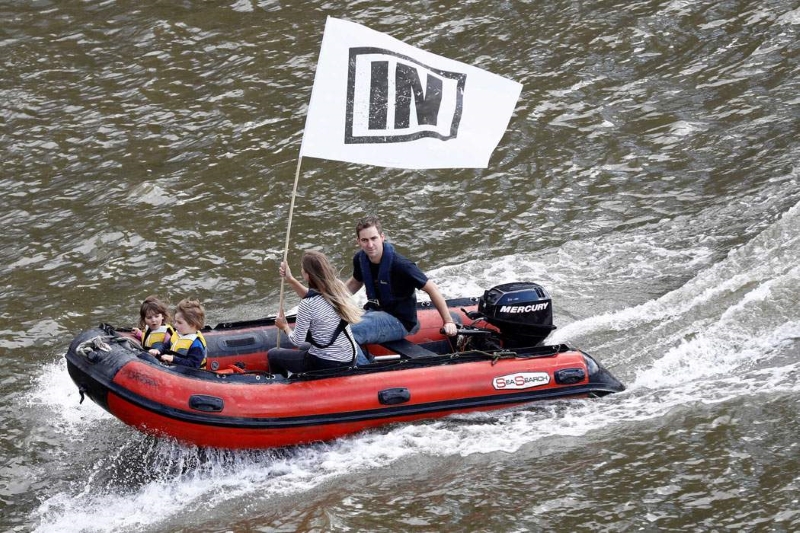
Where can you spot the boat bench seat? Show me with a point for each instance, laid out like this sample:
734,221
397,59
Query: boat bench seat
408,349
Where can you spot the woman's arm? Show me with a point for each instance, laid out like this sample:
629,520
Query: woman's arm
301,325
286,274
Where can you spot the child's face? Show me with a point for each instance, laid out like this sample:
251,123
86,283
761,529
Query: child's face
154,320
183,327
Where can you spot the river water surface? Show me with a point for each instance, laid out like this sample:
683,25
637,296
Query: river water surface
648,178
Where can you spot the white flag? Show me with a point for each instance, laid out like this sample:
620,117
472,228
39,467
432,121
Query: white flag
379,101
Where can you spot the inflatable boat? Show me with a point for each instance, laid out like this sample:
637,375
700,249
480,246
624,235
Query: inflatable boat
497,360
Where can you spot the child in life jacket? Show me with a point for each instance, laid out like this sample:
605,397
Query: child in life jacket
154,329
187,347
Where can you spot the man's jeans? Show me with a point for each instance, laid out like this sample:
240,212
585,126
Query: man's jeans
377,327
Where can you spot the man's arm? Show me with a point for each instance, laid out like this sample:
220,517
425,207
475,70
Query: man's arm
353,285
441,305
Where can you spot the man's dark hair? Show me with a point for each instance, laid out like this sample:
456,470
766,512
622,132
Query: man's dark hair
368,222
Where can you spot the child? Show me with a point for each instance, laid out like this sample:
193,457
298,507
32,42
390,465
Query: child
154,318
187,347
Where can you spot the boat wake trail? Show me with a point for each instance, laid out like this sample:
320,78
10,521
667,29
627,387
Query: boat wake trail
731,319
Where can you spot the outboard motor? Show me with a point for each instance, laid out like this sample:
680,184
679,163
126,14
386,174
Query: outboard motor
522,311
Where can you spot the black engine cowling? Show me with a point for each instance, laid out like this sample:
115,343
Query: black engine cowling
522,311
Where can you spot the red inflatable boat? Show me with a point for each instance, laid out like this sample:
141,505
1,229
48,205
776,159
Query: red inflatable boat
496,361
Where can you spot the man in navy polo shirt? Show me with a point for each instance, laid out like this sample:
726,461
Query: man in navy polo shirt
391,282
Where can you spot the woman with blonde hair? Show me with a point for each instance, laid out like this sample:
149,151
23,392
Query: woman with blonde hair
323,320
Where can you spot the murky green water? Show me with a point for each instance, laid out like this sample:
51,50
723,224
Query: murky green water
648,179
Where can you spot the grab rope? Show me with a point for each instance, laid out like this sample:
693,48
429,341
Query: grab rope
92,345
494,356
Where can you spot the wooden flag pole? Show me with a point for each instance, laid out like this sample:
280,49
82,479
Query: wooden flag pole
288,233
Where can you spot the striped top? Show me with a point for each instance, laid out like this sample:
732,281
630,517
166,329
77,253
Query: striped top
315,314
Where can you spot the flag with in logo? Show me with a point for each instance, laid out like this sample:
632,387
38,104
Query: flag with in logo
379,101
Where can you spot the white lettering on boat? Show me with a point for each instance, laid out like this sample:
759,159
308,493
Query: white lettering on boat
521,380
524,308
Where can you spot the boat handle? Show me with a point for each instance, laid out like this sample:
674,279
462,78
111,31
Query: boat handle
569,376
394,396
207,404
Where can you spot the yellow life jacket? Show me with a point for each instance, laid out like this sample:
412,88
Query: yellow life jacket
152,337
181,344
